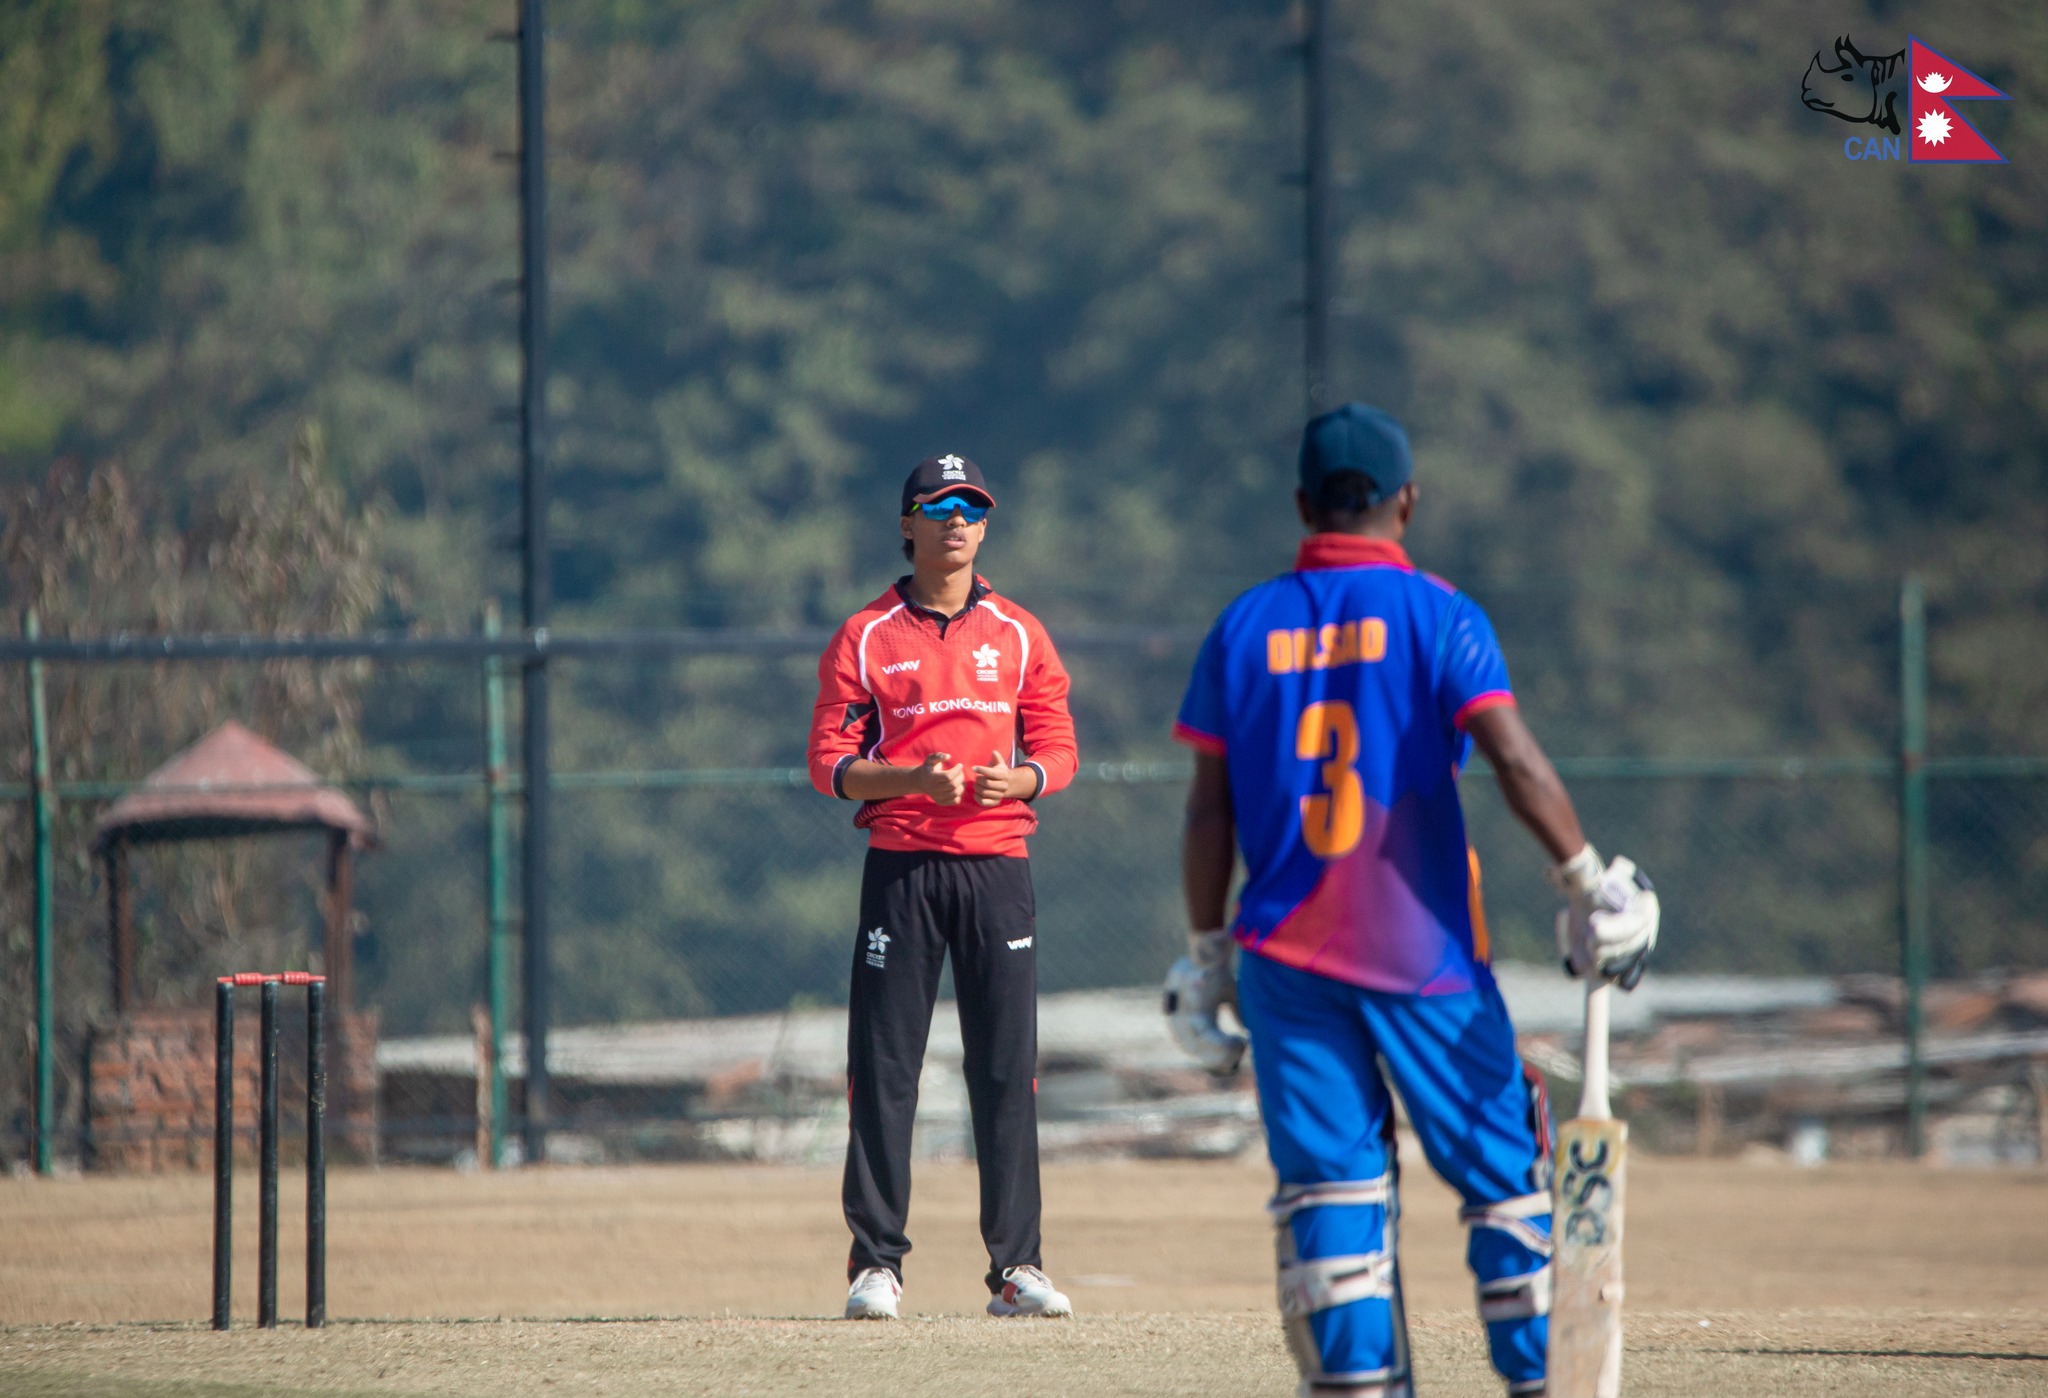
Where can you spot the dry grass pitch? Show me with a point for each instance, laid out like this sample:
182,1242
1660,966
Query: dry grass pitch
1847,1279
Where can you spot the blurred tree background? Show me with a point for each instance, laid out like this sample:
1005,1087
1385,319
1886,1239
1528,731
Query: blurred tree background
1690,390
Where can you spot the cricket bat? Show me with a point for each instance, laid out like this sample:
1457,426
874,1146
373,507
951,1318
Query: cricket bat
1585,1304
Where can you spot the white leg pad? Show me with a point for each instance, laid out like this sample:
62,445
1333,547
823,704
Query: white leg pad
1515,1298
1291,1199
1308,1285
1355,1386
1512,1216
1319,1283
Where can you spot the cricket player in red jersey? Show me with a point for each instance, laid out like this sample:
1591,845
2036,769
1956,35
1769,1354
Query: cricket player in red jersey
942,709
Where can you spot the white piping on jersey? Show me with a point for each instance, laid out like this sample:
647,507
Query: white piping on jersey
881,729
1023,641
1023,661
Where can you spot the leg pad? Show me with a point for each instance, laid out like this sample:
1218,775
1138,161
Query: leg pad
1513,1217
1515,1298
1317,1284
1293,1198
1313,1284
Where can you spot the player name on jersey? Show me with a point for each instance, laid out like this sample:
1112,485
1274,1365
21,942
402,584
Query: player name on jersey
1297,649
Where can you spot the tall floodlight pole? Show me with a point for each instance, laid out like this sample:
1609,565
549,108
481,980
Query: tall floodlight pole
533,572
1317,261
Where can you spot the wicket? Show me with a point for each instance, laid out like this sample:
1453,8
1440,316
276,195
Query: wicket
267,1129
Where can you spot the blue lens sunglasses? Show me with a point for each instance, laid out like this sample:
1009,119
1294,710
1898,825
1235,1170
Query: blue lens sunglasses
944,508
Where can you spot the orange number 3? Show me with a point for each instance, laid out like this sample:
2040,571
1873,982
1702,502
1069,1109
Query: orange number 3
1333,820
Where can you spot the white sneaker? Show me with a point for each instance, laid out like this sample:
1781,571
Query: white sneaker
1028,1291
873,1295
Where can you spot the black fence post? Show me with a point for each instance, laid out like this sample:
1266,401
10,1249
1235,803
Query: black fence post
223,1151
1913,848
42,799
534,580
1317,254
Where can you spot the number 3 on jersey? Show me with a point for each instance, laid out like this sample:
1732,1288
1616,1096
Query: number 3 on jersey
1332,820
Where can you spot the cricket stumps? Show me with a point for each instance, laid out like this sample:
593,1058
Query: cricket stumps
266,1151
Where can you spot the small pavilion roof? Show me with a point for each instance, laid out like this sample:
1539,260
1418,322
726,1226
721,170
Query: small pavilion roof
231,782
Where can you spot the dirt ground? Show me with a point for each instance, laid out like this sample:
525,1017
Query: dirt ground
1742,1279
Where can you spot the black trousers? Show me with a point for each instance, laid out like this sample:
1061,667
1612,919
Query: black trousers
916,907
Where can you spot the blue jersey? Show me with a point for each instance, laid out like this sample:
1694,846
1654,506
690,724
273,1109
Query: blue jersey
1337,695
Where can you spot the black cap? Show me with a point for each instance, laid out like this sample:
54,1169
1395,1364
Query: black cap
951,474
1356,438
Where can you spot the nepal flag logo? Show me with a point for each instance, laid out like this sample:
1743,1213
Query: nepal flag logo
1938,131
1867,88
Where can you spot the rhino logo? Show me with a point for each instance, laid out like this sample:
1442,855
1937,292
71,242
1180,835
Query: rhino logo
1859,88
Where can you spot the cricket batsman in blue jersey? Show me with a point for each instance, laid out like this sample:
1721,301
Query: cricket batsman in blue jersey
1330,711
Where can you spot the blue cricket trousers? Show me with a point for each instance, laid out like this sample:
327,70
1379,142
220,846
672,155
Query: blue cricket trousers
1324,1053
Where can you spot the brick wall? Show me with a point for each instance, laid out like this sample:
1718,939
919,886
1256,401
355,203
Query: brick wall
150,1088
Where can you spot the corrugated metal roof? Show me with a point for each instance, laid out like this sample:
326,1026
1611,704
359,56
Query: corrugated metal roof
1124,1027
230,782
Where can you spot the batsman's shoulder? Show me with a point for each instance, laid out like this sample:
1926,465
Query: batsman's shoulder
1250,606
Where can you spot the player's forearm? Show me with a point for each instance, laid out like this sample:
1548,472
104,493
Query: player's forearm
1539,800
1208,845
1528,783
1046,731
878,781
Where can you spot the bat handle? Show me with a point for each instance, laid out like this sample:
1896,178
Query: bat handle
1593,1097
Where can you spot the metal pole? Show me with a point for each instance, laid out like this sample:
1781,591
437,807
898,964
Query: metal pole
223,1149
534,582
316,1155
1317,270
497,891
266,1164
45,884
1913,846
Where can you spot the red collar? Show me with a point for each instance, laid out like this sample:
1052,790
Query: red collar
1348,551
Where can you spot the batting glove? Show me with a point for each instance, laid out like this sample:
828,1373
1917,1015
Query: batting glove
1609,922
1199,984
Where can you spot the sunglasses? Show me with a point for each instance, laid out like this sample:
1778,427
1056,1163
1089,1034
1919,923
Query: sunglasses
943,509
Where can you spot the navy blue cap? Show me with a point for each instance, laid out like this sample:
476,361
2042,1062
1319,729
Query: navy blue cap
1356,438
951,474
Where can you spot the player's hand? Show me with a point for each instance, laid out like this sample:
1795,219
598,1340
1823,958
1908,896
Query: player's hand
999,782
1200,984
944,784
1609,922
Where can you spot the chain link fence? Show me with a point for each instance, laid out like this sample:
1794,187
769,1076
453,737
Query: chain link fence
699,878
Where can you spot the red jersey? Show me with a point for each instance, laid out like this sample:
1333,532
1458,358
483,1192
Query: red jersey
899,682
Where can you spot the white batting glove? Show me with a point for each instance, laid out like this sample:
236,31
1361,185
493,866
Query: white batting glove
1610,918
1199,984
